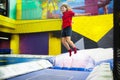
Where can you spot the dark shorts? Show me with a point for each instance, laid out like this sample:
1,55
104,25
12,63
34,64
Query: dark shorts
66,32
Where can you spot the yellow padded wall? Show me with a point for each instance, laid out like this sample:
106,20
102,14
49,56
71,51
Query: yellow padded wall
29,26
54,45
7,24
93,27
14,44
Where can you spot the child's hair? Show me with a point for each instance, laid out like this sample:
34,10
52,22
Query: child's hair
66,6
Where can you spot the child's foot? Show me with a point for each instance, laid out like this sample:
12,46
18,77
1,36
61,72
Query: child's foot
75,50
70,52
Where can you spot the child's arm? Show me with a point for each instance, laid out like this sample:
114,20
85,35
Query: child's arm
55,16
52,16
82,14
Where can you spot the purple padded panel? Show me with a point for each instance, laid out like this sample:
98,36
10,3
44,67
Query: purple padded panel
34,43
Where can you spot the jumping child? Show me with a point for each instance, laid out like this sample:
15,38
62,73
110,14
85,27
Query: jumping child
67,27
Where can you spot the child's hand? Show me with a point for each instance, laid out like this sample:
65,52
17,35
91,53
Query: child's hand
72,22
55,16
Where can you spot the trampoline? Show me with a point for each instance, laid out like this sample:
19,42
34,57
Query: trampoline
31,67
14,59
61,67
53,74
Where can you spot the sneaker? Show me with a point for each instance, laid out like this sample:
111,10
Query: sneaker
75,50
70,52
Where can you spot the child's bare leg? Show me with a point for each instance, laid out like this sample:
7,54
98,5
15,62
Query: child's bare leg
64,42
68,38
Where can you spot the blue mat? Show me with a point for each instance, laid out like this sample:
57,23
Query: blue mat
53,74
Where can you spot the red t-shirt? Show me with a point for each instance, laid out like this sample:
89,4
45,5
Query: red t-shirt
67,19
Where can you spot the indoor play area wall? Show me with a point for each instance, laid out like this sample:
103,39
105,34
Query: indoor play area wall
12,9
36,31
34,43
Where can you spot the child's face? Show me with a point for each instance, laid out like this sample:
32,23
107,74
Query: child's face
63,9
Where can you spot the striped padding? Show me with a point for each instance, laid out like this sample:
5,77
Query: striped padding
118,63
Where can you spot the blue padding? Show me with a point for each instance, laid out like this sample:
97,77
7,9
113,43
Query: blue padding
5,51
106,61
56,67
81,69
76,69
72,68
51,60
65,68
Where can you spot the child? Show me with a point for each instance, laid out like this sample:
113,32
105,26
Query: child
67,27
